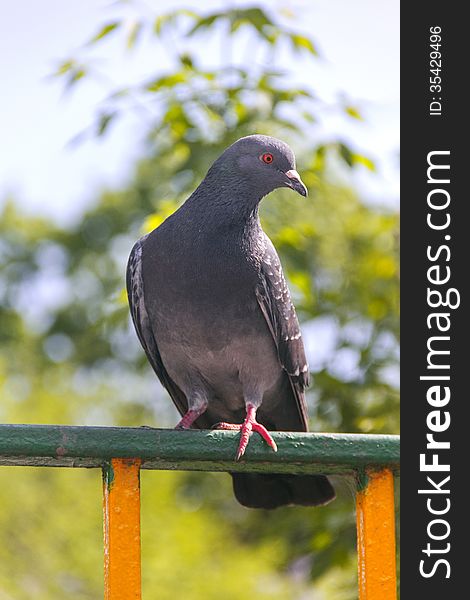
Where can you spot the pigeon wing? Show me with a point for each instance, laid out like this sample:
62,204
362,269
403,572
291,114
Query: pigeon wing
276,305
140,318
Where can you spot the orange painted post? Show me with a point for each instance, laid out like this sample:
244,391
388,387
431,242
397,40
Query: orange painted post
121,526
376,537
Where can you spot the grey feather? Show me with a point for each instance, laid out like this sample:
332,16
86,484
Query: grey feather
140,318
276,305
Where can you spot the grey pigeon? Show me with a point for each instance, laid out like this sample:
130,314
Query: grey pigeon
213,313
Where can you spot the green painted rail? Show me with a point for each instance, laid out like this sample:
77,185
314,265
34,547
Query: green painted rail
71,446
372,460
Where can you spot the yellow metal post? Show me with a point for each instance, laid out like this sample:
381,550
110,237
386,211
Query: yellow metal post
376,537
121,516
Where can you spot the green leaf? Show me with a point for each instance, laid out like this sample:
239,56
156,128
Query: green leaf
64,67
309,117
186,60
271,35
254,17
319,158
134,34
162,21
166,81
104,31
159,23
104,121
352,158
346,154
75,75
301,42
360,159
209,75
204,23
241,111
353,112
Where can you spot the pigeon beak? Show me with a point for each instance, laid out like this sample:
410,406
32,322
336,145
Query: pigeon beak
296,183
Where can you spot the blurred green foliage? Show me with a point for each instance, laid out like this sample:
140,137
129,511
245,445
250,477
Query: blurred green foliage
69,355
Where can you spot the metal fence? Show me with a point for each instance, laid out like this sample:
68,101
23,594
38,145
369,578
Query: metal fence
121,452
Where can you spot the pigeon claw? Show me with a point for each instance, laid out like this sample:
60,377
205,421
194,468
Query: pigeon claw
246,430
250,424
264,433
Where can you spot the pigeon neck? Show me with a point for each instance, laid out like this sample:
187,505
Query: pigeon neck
230,205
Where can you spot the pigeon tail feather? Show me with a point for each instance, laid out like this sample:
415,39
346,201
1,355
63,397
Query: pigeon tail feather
255,490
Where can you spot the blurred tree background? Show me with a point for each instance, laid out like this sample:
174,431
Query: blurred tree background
69,356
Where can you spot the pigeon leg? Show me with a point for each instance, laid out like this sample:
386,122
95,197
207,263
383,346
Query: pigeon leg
190,416
249,425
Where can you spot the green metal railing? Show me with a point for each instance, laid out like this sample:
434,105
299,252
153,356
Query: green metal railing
122,451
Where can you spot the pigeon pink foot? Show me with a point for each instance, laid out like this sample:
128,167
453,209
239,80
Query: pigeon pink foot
249,425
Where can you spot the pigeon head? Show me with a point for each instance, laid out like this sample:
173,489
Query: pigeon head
259,163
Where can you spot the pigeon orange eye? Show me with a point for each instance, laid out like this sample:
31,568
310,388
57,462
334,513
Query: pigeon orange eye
267,158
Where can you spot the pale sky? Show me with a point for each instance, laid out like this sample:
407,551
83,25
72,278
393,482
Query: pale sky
360,42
